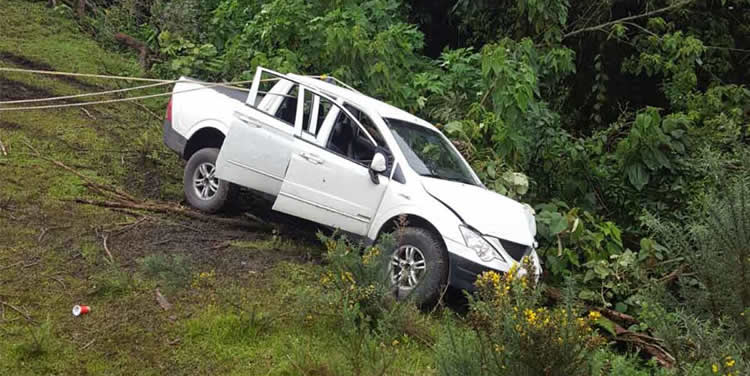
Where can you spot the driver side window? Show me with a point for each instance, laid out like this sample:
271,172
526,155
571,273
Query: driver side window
349,140
342,135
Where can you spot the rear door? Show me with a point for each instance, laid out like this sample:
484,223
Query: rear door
327,181
259,143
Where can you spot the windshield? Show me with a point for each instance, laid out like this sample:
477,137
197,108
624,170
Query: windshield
429,153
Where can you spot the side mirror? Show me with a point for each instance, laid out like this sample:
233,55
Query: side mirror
378,163
377,166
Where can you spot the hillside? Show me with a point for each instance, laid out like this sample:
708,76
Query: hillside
233,291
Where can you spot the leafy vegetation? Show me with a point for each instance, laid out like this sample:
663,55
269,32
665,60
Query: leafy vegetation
625,124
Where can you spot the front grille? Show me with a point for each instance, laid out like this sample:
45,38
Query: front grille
515,250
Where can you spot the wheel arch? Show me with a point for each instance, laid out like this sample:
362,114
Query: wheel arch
410,220
205,137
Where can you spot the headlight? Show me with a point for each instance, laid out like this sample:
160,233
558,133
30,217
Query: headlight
482,247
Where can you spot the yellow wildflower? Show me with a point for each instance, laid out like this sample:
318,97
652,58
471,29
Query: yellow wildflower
729,362
715,368
594,315
530,316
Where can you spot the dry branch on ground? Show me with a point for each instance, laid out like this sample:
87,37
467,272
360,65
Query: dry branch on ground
118,199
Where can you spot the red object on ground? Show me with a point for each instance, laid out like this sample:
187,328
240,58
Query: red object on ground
79,310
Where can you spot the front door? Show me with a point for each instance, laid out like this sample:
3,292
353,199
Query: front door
328,181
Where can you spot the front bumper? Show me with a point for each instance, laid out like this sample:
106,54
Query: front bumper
465,267
464,272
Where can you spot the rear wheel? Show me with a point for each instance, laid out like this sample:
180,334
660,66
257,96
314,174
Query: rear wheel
418,267
203,190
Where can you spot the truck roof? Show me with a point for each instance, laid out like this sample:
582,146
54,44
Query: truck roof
383,109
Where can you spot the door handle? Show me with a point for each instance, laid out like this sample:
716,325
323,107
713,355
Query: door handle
311,158
246,119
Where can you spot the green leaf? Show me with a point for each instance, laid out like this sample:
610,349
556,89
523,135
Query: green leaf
637,175
606,324
601,270
587,294
558,224
454,127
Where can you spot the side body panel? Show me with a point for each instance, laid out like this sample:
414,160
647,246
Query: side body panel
329,189
195,106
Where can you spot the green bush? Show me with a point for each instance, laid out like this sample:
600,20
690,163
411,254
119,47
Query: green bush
514,335
714,247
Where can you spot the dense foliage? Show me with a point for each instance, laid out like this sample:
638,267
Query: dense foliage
621,122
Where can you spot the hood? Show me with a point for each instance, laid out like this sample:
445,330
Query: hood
488,212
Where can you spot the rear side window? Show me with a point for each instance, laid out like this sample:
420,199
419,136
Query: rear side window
287,110
315,110
278,97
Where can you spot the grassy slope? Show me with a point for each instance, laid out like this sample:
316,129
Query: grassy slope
239,297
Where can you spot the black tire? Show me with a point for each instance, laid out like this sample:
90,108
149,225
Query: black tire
435,277
220,198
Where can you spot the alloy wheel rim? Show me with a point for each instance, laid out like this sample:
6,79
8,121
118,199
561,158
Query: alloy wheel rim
407,267
205,183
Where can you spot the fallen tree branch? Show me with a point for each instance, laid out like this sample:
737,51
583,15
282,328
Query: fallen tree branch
170,209
22,313
651,345
105,236
647,343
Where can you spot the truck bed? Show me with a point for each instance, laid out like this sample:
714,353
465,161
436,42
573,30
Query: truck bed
233,93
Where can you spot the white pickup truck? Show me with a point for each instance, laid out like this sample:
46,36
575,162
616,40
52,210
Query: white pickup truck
332,155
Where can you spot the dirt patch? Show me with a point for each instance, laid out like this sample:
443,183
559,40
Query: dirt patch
11,90
36,65
9,125
206,244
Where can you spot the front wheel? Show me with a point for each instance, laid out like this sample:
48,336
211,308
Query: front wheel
418,267
203,190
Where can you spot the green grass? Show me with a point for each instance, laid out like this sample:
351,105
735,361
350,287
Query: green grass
252,308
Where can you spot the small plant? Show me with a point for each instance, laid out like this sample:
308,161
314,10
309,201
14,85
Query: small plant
358,277
90,252
204,279
39,343
604,362
113,281
171,271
